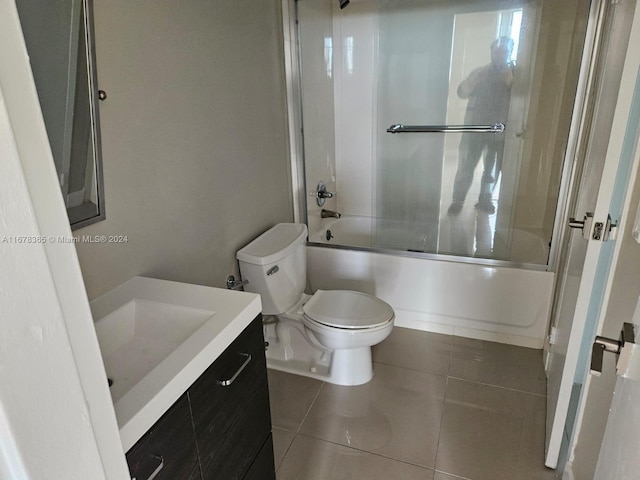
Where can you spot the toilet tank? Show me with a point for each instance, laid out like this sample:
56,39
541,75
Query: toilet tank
275,264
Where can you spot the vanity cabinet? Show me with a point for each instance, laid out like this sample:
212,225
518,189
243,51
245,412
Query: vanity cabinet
230,406
221,426
263,466
168,448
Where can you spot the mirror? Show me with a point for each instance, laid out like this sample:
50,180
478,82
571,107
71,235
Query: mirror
60,42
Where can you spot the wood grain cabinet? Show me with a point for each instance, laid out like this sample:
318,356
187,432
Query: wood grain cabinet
168,448
221,426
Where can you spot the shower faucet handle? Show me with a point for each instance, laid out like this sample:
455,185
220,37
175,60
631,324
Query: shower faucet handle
321,193
325,194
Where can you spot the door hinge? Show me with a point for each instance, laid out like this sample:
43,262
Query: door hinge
602,231
584,224
553,335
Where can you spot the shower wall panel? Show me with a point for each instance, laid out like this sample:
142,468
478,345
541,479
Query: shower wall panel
355,34
317,65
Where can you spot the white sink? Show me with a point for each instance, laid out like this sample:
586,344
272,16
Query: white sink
156,339
139,335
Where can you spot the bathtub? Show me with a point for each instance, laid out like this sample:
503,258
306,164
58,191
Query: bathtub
368,232
497,303
352,231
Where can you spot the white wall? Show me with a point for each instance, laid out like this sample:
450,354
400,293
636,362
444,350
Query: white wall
55,411
194,137
43,415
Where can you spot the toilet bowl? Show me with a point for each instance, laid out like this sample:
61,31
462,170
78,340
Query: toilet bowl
327,335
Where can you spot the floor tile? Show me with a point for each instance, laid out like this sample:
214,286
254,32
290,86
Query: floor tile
400,425
397,415
281,443
290,397
491,433
424,351
313,459
446,476
498,364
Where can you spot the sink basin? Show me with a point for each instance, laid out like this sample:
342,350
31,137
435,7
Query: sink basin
157,337
136,337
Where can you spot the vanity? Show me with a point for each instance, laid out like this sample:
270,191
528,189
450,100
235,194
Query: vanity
188,380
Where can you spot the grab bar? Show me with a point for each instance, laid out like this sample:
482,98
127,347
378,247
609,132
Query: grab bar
399,128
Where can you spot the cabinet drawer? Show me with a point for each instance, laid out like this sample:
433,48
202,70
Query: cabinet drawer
170,442
263,467
232,419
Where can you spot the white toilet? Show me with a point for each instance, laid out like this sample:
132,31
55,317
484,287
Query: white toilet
327,335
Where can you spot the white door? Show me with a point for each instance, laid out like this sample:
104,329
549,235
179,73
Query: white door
619,459
584,270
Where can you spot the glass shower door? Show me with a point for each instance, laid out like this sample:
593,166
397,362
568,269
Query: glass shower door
443,65
413,58
381,63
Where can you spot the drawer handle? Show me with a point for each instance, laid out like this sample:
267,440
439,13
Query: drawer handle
157,470
226,383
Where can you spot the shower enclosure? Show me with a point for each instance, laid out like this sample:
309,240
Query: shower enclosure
401,100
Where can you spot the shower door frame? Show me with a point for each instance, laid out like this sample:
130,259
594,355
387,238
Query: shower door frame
572,161
294,109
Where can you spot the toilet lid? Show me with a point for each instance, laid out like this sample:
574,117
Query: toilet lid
347,309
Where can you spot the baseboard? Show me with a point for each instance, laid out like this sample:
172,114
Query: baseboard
467,332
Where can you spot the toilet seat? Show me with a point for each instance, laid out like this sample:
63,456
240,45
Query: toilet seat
347,310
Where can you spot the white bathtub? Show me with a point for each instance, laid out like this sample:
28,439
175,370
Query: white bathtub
502,304
358,231
348,230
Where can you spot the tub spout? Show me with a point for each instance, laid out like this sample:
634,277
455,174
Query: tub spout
329,214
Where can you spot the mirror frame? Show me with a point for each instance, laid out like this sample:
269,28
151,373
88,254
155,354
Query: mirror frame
96,144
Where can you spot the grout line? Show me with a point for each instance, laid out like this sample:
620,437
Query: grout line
413,369
295,434
497,386
446,375
449,360
286,452
310,407
451,475
351,447
444,406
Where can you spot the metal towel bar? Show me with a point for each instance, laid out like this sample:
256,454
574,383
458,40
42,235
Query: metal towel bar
399,128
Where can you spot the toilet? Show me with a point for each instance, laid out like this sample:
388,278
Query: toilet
327,335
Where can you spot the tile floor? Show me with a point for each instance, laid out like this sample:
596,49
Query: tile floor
438,408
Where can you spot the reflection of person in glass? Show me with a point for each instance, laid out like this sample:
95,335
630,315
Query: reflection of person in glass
488,89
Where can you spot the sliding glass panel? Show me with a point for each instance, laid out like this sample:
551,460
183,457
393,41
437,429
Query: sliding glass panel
377,64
